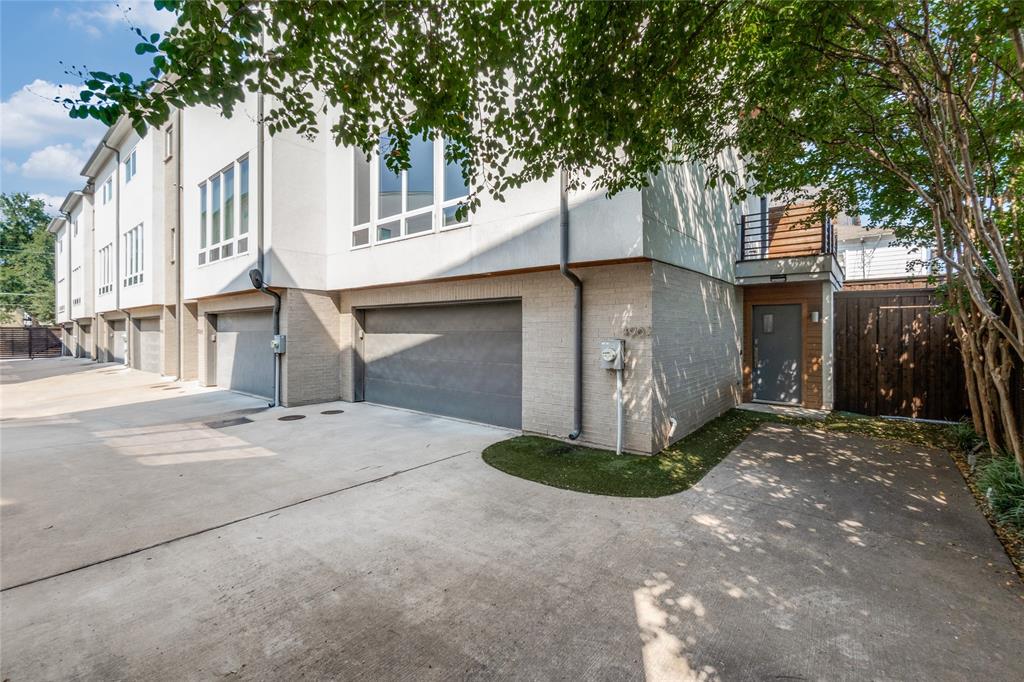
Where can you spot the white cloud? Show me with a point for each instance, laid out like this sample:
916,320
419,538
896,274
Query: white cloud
52,202
30,116
55,162
126,13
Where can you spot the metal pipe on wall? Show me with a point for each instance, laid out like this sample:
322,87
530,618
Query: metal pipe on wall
563,267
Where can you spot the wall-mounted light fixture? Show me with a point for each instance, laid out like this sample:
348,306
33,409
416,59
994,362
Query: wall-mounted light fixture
815,316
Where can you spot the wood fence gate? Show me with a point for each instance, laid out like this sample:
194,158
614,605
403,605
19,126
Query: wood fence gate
30,342
895,356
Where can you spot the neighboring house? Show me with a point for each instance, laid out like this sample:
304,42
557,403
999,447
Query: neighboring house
871,258
73,247
388,295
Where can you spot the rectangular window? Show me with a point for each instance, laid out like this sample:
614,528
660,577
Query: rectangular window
108,190
243,196
133,256
417,200
202,216
169,142
129,167
74,228
224,208
105,273
215,209
229,203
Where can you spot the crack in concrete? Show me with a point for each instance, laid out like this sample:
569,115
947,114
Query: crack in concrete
230,523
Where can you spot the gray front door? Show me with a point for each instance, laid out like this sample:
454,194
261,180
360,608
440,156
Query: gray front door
146,346
245,361
116,341
462,360
778,347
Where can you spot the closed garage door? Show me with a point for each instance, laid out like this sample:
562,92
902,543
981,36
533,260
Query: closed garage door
461,360
146,345
245,361
116,341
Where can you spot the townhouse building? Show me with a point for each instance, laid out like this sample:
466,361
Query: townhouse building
377,287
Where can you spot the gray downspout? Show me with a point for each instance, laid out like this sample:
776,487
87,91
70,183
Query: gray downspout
563,267
117,255
178,255
260,245
260,182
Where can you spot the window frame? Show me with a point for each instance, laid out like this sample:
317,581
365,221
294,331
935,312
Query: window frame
436,208
238,244
169,142
133,250
108,189
105,271
130,163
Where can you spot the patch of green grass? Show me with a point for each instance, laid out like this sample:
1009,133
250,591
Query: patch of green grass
601,472
679,466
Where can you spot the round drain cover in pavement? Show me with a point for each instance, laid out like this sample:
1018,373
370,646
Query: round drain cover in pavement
291,417
333,412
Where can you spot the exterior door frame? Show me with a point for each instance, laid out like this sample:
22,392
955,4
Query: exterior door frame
800,359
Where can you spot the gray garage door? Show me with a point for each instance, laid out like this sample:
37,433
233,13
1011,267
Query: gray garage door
116,341
245,361
461,360
146,345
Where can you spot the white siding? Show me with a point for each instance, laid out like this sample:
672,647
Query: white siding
878,258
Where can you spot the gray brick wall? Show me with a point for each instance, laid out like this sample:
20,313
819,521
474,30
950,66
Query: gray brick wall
311,368
696,350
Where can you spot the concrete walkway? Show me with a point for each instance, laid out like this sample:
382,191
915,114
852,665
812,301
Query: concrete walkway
804,555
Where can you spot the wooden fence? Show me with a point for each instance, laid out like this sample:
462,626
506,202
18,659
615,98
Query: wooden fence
30,342
896,356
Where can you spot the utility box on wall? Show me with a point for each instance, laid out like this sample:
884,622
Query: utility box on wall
613,353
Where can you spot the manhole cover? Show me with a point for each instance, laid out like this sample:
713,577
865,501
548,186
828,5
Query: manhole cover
291,417
333,412
228,422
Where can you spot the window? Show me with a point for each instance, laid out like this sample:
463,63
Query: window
74,228
420,199
104,270
224,202
108,190
129,167
168,142
132,255
76,285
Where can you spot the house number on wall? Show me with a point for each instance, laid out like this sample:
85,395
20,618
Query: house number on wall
636,331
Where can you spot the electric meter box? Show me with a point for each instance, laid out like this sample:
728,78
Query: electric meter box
277,343
613,353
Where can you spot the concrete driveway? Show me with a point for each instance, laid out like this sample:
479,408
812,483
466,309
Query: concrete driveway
140,541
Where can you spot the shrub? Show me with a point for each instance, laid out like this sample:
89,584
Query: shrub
1000,480
963,436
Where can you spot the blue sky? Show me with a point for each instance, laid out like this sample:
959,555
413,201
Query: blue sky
41,149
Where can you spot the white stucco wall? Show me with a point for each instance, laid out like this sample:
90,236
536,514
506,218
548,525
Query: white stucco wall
693,226
520,233
210,143
142,204
104,233
82,258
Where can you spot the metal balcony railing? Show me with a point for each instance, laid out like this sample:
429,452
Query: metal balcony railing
786,232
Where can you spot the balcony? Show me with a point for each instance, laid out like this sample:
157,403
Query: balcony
787,244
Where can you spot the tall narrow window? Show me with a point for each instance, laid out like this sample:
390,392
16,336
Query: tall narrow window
133,256
202,223
455,192
361,201
229,212
389,192
215,215
129,167
108,190
169,142
243,196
